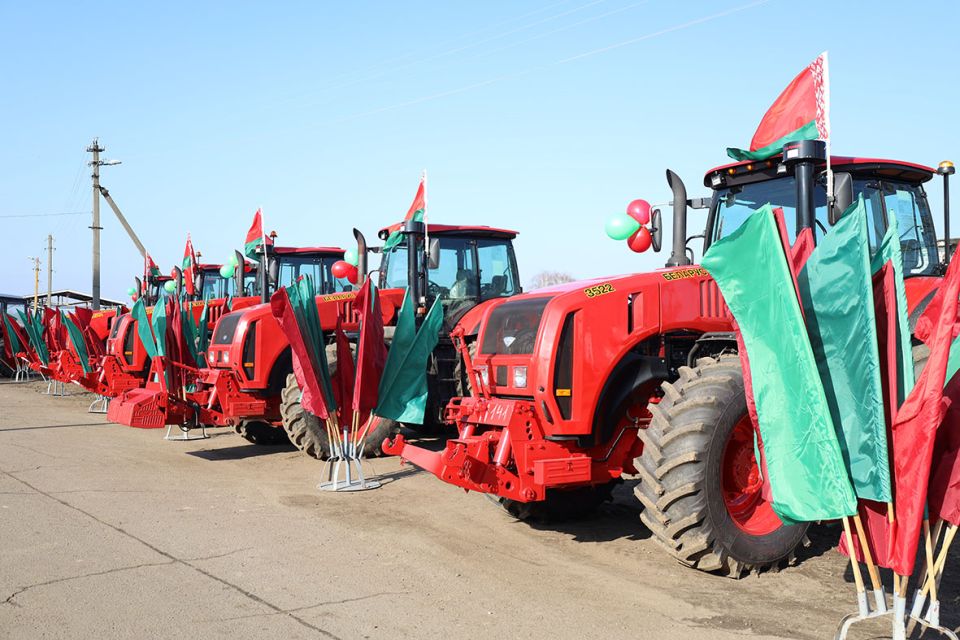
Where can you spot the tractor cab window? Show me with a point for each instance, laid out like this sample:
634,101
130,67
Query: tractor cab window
470,269
293,267
214,286
907,203
735,204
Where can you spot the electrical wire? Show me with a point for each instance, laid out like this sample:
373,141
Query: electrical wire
45,215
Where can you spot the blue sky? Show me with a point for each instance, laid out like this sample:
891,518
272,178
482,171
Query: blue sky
543,116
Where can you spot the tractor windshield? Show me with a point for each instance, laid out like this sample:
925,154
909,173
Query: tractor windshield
883,198
735,204
292,267
469,269
215,286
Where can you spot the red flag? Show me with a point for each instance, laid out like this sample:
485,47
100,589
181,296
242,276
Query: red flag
24,340
800,112
344,376
255,237
944,498
189,266
915,427
371,350
417,211
303,368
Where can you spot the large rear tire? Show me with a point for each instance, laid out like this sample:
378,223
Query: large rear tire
700,483
309,434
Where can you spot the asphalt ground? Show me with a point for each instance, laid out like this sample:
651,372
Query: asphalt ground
112,532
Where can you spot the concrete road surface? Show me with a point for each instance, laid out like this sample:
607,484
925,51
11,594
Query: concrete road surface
111,532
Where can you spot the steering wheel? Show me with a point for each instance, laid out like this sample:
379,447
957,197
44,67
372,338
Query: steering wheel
436,291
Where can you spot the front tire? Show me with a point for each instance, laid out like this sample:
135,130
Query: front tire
700,483
561,505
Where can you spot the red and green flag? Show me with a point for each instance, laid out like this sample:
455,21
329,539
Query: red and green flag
255,237
417,211
150,267
188,267
371,350
800,112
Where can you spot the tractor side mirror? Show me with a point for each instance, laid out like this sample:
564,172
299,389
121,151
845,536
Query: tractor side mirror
656,230
273,271
433,254
842,196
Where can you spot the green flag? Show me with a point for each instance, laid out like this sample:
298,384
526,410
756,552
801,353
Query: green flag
836,288
160,327
804,462
34,329
15,346
403,386
76,339
139,315
890,251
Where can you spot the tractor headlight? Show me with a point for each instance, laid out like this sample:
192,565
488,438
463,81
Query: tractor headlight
519,377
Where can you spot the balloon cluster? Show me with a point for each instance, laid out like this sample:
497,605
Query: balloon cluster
132,292
170,286
632,226
230,267
346,269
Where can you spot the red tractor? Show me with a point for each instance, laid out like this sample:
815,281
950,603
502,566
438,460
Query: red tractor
125,365
249,382
578,385
464,267
149,405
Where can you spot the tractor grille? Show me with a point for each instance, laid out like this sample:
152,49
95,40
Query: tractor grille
348,312
711,302
214,311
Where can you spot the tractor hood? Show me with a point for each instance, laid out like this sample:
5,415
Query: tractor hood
527,344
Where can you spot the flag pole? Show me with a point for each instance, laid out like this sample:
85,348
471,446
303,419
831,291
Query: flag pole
826,118
857,576
879,597
426,237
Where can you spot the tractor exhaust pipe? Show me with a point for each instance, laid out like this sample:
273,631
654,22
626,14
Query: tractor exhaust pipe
946,169
361,256
238,273
678,256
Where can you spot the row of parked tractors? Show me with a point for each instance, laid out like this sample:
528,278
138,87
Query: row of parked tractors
549,398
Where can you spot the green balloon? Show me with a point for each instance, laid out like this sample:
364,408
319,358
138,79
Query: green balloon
227,271
350,257
621,227
131,291
169,286
233,259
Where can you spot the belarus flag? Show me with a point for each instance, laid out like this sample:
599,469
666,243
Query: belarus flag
189,267
416,212
801,112
255,237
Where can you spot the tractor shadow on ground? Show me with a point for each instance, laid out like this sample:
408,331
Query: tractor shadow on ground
616,520
242,451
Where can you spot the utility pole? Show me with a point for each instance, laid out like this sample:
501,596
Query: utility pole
95,149
49,270
36,283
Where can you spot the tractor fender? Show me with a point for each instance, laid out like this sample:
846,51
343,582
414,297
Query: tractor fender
634,374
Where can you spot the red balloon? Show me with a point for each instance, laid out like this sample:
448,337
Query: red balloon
341,269
352,274
640,241
639,210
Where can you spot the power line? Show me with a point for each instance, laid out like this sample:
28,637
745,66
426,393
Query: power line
45,215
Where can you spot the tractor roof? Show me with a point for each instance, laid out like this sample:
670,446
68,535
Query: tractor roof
288,251
908,171
457,229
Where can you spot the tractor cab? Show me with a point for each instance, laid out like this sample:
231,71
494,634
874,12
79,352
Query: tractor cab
461,266
211,285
